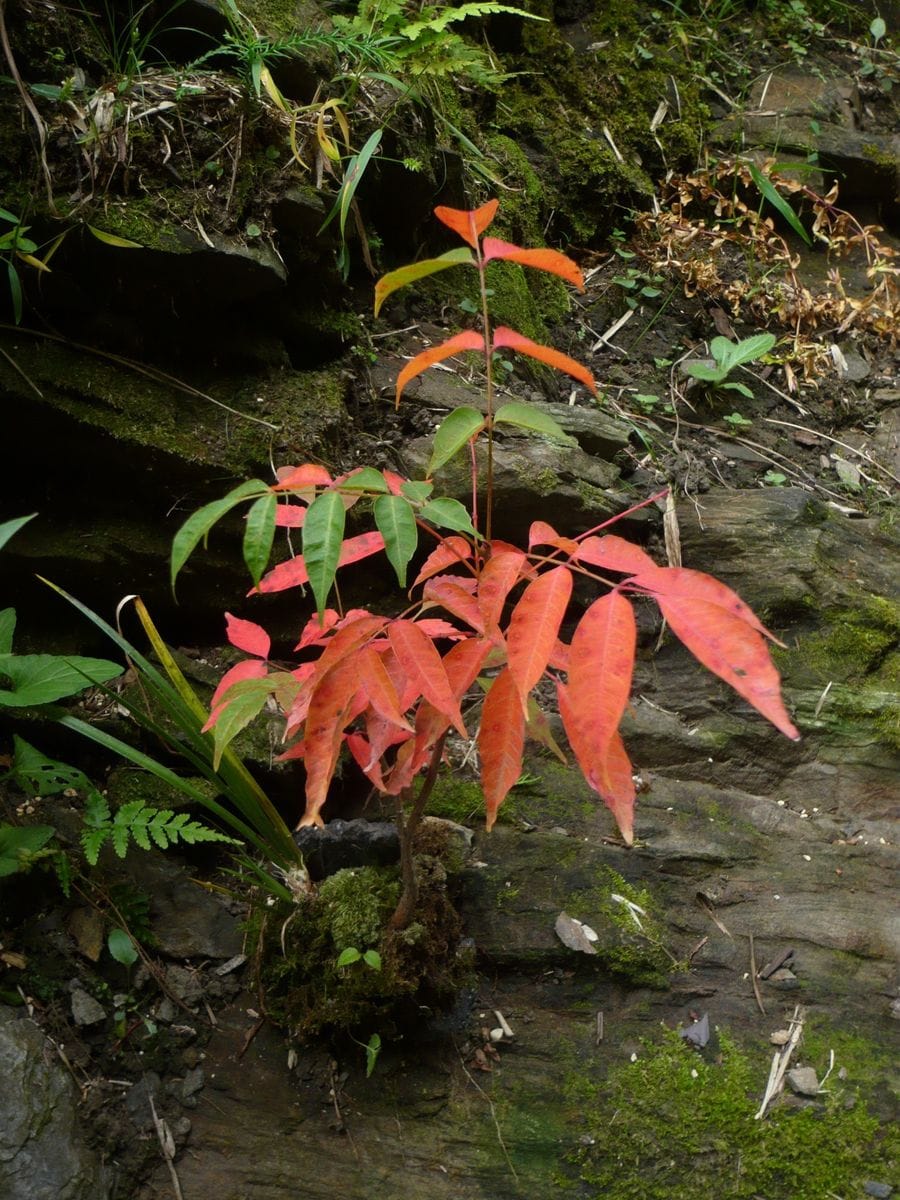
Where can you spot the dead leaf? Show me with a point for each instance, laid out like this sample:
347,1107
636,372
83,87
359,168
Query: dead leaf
574,934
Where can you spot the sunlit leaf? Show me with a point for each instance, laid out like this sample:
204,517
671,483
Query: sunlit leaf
543,260
449,552
8,529
501,742
525,416
31,679
504,337
421,661
455,431
428,266
467,340
247,636
113,239
534,628
469,224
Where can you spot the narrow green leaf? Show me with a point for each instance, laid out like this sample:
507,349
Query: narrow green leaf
737,387
446,513
9,528
7,629
15,291
366,480
113,239
419,270
352,177
243,703
198,525
770,192
259,535
453,433
397,525
524,416
323,533
121,947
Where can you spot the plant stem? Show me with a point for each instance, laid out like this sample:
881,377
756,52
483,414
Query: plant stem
406,829
488,399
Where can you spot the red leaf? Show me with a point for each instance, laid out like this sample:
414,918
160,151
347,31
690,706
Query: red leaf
501,741
436,628
543,260
451,550
534,627
420,660
682,583
545,354
609,774
366,759
379,687
726,644
559,659
614,554
248,636
329,712
290,516
501,573
349,638
601,662
394,481
297,714
448,592
310,475
469,224
542,534
315,632
292,573
250,668
468,340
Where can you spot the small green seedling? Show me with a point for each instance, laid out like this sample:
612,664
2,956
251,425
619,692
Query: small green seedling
351,955
727,356
774,479
735,421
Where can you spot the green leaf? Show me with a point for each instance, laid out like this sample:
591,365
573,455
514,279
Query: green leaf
454,432
366,480
397,525
352,177
446,513
42,678
737,387
198,525
42,776
427,266
122,947
323,533
704,372
245,701
372,959
416,491
19,843
373,1049
733,354
15,290
8,528
878,29
348,956
7,629
113,239
259,535
770,192
479,8
524,416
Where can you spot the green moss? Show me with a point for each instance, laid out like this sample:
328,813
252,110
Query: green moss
672,1126
357,904
456,799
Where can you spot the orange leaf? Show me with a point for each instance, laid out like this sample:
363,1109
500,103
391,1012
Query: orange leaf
542,534
731,649
609,773
290,516
501,573
501,741
292,572
451,550
545,354
680,582
534,627
601,661
310,475
348,639
544,260
467,340
469,224
420,660
379,687
446,591
614,554
329,711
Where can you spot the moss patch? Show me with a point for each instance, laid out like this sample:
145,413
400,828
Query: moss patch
672,1126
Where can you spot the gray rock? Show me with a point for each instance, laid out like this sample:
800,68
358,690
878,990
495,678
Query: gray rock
184,984
803,1081
192,1082
85,1009
342,844
187,922
43,1155
138,1100
873,1188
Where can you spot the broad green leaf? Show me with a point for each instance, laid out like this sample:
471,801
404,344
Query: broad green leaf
878,29
454,432
733,354
259,535
42,776
704,372
113,239
19,843
769,192
8,528
524,416
122,947
198,525
348,956
416,491
366,480
419,270
323,533
243,703
397,525
372,959
42,678
7,629
447,513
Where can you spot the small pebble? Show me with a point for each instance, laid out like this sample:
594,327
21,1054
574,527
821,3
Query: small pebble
871,1188
803,1081
780,1037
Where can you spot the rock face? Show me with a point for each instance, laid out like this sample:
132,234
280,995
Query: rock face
43,1154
